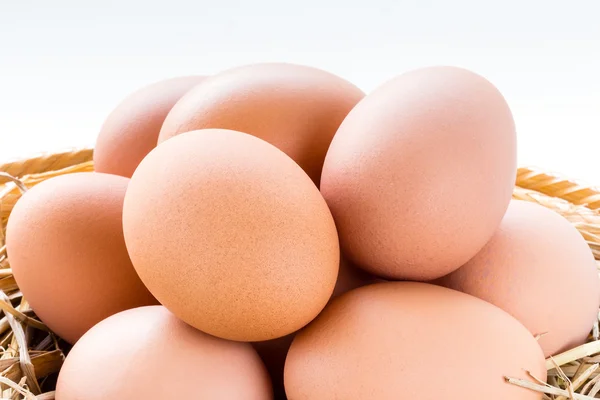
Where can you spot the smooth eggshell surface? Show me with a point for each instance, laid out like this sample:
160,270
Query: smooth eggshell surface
534,255
147,353
66,249
231,235
420,173
131,129
296,108
409,340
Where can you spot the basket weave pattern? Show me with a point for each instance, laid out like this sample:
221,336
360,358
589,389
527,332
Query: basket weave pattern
31,355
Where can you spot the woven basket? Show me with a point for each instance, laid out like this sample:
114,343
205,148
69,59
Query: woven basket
32,356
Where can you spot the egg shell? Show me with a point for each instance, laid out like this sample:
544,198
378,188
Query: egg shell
420,173
411,340
231,235
294,107
147,353
273,352
536,254
131,129
66,249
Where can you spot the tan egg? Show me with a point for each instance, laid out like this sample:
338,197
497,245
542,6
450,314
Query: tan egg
131,129
231,235
66,249
536,254
420,173
296,108
273,352
410,340
147,353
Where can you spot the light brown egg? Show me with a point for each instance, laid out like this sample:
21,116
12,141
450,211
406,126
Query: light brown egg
296,108
131,129
147,353
420,173
273,352
410,340
231,235
66,249
534,256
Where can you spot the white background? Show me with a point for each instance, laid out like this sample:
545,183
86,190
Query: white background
65,64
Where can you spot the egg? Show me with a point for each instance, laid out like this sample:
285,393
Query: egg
67,252
273,352
534,255
131,129
147,353
294,107
231,235
420,173
411,340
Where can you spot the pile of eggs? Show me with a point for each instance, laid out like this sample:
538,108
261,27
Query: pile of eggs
271,231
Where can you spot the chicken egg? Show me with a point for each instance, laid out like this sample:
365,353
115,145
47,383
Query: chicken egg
147,353
411,340
534,255
420,173
66,249
131,129
294,107
231,235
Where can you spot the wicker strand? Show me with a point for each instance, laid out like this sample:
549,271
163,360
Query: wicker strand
47,162
557,186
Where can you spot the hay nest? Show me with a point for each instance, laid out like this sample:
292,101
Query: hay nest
31,355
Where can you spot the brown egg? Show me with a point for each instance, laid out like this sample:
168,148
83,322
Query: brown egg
273,352
131,130
147,353
420,173
534,255
410,340
66,249
231,235
296,108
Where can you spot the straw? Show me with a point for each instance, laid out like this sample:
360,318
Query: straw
32,353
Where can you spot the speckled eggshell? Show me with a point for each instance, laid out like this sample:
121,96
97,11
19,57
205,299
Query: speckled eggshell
420,173
131,129
294,107
66,249
231,235
273,352
147,353
534,255
411,340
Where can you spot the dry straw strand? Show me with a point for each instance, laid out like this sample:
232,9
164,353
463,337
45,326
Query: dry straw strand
580,380
27,395
545,389
576,353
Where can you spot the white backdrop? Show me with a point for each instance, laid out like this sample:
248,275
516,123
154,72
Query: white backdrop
64,64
